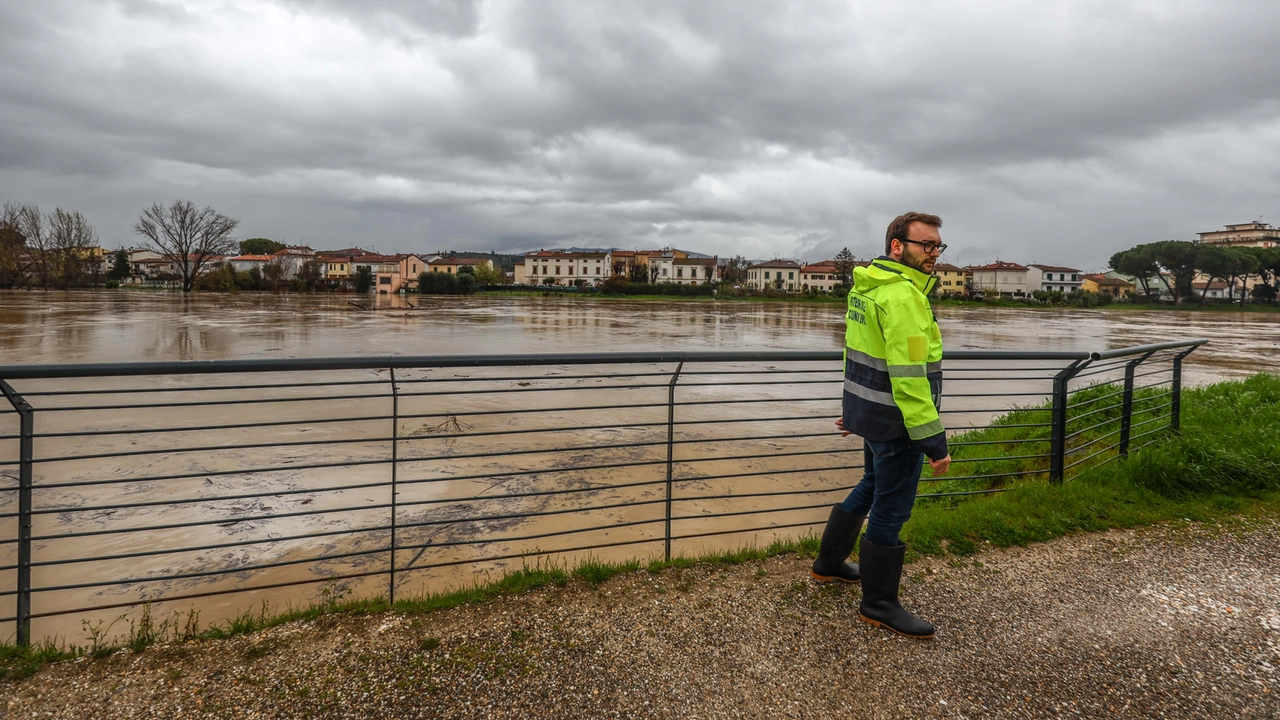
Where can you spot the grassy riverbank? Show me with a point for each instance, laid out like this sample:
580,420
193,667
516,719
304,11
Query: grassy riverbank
1225,462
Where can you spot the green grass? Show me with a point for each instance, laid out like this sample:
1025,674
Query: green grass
1225,463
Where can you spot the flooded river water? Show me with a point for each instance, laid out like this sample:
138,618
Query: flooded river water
241,490
73,327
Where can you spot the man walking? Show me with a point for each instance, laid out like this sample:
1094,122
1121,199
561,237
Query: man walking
892,388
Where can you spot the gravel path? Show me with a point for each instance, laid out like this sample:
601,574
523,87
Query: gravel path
1176,621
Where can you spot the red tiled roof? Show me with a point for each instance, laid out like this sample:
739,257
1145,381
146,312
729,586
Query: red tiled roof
998,265
560,254
1104,280
777,264
1054,268
946,267
345,252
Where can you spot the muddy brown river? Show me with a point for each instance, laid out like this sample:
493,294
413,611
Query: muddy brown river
589,443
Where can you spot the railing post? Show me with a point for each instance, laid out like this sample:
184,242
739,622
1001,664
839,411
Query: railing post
671,446
26,452
1058,428
1175,409
395,442
1126,409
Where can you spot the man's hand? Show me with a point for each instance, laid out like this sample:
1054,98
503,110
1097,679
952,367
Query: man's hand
940,467
843,432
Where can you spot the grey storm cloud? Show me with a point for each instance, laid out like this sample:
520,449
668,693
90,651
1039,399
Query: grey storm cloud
1054,132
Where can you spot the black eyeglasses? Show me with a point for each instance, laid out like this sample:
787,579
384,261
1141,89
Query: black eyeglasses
928,247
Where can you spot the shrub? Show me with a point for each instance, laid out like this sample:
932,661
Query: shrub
438,283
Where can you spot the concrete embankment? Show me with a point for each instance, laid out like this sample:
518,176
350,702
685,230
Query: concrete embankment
1180,620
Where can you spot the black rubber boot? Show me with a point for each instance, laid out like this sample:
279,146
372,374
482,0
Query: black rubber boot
881,575
838,540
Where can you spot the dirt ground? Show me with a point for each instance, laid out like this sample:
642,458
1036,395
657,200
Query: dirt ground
1176,621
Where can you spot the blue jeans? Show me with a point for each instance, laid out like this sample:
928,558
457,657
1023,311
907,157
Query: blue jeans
888,488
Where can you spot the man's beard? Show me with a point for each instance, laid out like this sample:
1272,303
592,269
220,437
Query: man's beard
916,262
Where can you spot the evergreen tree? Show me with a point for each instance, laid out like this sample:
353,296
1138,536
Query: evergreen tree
844,266
119,266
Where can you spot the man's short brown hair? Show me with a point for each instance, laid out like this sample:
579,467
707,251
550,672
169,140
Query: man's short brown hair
898,228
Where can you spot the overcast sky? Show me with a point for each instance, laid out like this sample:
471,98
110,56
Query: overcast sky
1040,131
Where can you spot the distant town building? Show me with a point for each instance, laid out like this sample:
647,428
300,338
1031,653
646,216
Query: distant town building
1155,284
245,263
564,267
1053,277
821,276
1253,234
292,257
626,261
340,265
1214,290
952,280
677,266
774,274
1104,285
410,266
999,278
450,265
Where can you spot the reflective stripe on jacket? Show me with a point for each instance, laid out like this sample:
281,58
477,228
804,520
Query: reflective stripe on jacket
893,358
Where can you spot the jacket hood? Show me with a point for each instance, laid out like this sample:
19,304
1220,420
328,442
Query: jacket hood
883,271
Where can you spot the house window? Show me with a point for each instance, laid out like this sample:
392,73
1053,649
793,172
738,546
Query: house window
791,276
597,271
679,272
766,274
384,281
1074,278
557,269
664,272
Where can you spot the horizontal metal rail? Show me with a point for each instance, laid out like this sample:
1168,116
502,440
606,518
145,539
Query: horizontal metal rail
532,456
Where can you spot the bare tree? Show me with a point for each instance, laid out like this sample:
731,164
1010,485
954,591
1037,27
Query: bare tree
32,226
71,245
14,258
734,270
275,276
190,238
311,275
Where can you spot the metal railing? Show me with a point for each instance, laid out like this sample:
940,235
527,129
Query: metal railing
176,482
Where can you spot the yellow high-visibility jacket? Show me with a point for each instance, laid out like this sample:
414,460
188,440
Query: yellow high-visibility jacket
893,358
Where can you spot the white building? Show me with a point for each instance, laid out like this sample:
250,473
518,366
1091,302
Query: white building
1053,277
1000,278
1254,234
669,267
775,274
564,267
245,263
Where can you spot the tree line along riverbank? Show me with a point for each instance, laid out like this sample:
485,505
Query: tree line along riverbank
1224,462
